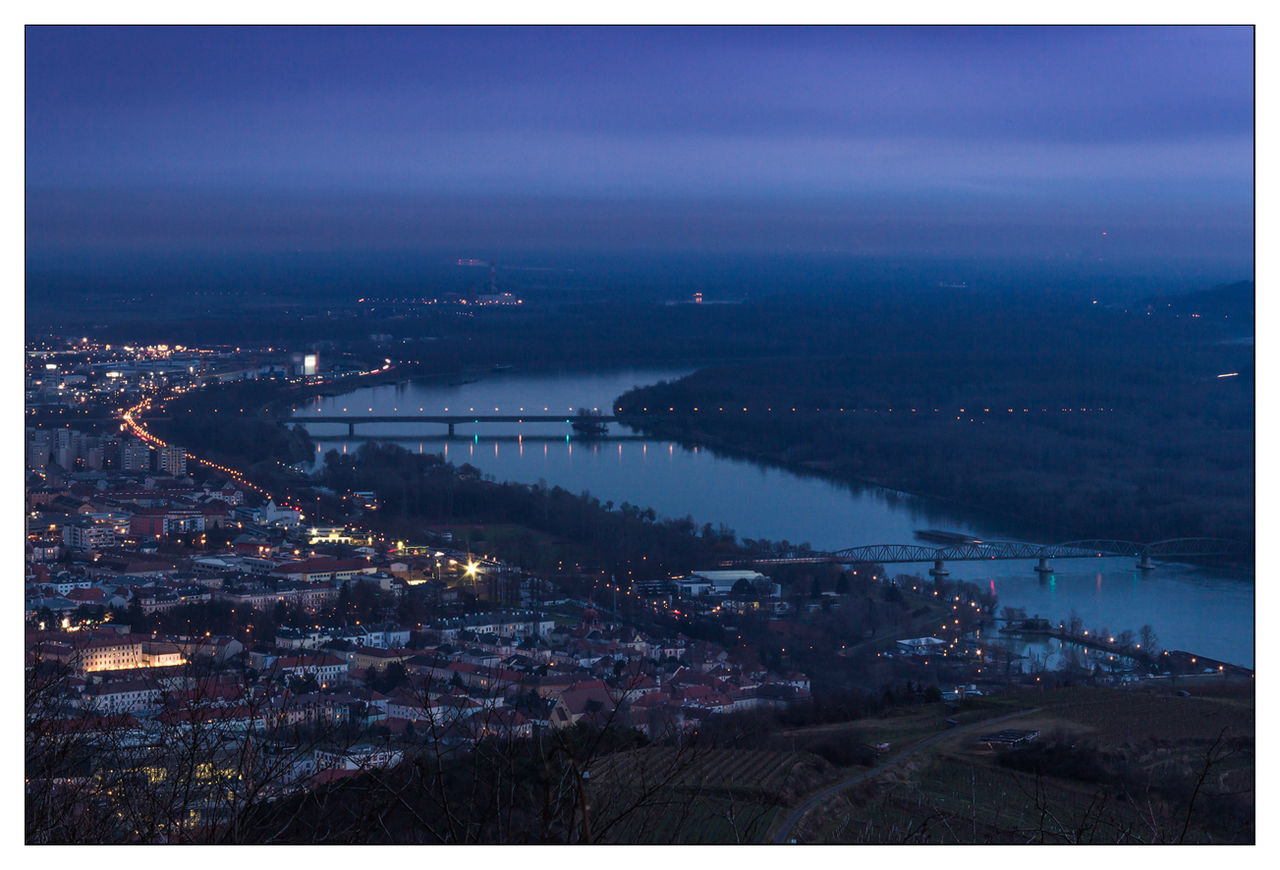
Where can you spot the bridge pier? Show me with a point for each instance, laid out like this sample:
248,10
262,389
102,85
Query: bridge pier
938,570
1144,564
450,430
351,430
1044,569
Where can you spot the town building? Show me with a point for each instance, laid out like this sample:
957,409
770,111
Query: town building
173,460
135,456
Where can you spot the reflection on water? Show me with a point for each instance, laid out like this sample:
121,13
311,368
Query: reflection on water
1209,611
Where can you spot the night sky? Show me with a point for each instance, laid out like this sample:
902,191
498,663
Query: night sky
878,141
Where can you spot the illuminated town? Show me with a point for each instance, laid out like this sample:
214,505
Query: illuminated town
521,434
135,545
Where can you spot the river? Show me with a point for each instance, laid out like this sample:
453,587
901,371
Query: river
1206,610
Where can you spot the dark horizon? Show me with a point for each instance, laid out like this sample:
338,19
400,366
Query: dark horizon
1120,146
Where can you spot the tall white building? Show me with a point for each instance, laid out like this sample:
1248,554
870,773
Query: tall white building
39,446
135,456
173,460
68,446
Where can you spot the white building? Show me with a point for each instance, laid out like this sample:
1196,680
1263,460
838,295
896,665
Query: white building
135,456
39,446
122,696
82,535
173,460
921,645
722,582
271,515
359,757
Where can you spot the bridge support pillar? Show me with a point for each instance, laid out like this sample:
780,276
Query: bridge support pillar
450,430
1044,569
1144,564
938,570
351,430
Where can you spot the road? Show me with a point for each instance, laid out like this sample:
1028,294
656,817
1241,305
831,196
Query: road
783,834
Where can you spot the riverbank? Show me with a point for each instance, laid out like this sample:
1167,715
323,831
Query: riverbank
828,471
1162,662
981,434
1191,608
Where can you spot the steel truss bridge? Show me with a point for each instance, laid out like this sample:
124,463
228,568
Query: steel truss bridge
975,551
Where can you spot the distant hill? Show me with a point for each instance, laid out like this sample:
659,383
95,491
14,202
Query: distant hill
1232,300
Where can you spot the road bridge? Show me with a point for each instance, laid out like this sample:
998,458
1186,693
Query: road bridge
451,420
974,551
462,437
73,417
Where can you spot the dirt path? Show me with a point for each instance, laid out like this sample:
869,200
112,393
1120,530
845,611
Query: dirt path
783,834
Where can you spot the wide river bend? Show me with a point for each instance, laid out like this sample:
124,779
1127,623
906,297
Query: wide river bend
1205,610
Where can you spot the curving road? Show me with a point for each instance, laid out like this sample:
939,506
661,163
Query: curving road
783,834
